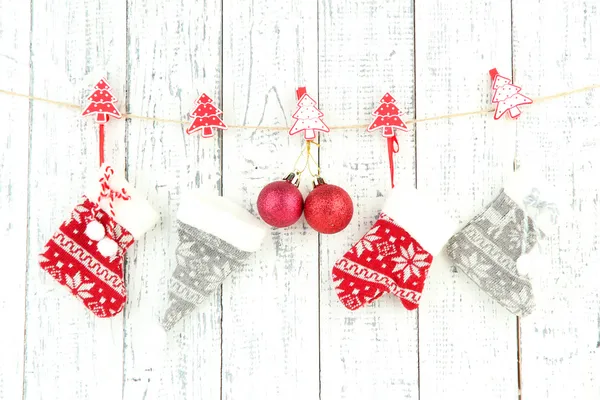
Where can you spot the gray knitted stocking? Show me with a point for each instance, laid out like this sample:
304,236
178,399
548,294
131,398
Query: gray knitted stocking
203,263
487,250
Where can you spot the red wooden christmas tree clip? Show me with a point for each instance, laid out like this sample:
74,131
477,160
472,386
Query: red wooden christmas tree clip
102,104
507,96
388,120
205,117
307,116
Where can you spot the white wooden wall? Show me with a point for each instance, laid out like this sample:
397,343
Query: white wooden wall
277,330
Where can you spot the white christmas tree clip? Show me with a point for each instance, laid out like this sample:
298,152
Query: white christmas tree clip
307,116
506,97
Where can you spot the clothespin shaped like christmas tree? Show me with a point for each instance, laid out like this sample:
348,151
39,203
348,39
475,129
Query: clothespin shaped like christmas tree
205,117
507,96
388,120
102,104
307,116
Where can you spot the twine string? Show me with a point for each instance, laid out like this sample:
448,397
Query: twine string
283,128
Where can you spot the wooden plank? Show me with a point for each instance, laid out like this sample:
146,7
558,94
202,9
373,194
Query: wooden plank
270,309
556,50
467,342
14,157
372,352
70,353
174,55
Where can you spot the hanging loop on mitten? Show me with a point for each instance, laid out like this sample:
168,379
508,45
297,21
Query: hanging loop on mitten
104,235
108,193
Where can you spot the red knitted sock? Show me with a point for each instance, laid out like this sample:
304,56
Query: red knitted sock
395,255
86,254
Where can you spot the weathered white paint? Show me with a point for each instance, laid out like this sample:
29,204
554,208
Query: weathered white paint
14,75
271,309
467,342
277,330
371,353
560,342
174,55
69,353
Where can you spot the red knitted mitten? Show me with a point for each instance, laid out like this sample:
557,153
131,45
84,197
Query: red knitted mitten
394,256
86,254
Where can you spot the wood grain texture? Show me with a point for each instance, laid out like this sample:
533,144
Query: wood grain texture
277,329
371,353
467,342
69,352
174,55
270,309
14,143
560,356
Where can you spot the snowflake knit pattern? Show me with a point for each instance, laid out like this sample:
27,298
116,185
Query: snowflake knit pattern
386,260
203,263
79,262
487,249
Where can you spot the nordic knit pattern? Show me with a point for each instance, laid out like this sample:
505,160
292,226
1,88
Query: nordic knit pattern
387,259
76,262
487,250
203,262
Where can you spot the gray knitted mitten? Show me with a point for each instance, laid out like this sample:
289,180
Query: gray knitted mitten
203,262
215,237
487,250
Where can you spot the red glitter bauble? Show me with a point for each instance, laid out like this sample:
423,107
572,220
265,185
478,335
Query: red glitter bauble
328,208
280,204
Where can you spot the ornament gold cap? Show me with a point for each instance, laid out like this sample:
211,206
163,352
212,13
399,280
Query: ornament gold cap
293,178
318,181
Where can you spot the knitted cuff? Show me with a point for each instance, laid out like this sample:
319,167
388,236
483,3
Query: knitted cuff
421,217
223,219
135,214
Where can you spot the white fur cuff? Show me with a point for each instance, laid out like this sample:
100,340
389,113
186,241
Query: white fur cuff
421,217
222,218
136,214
